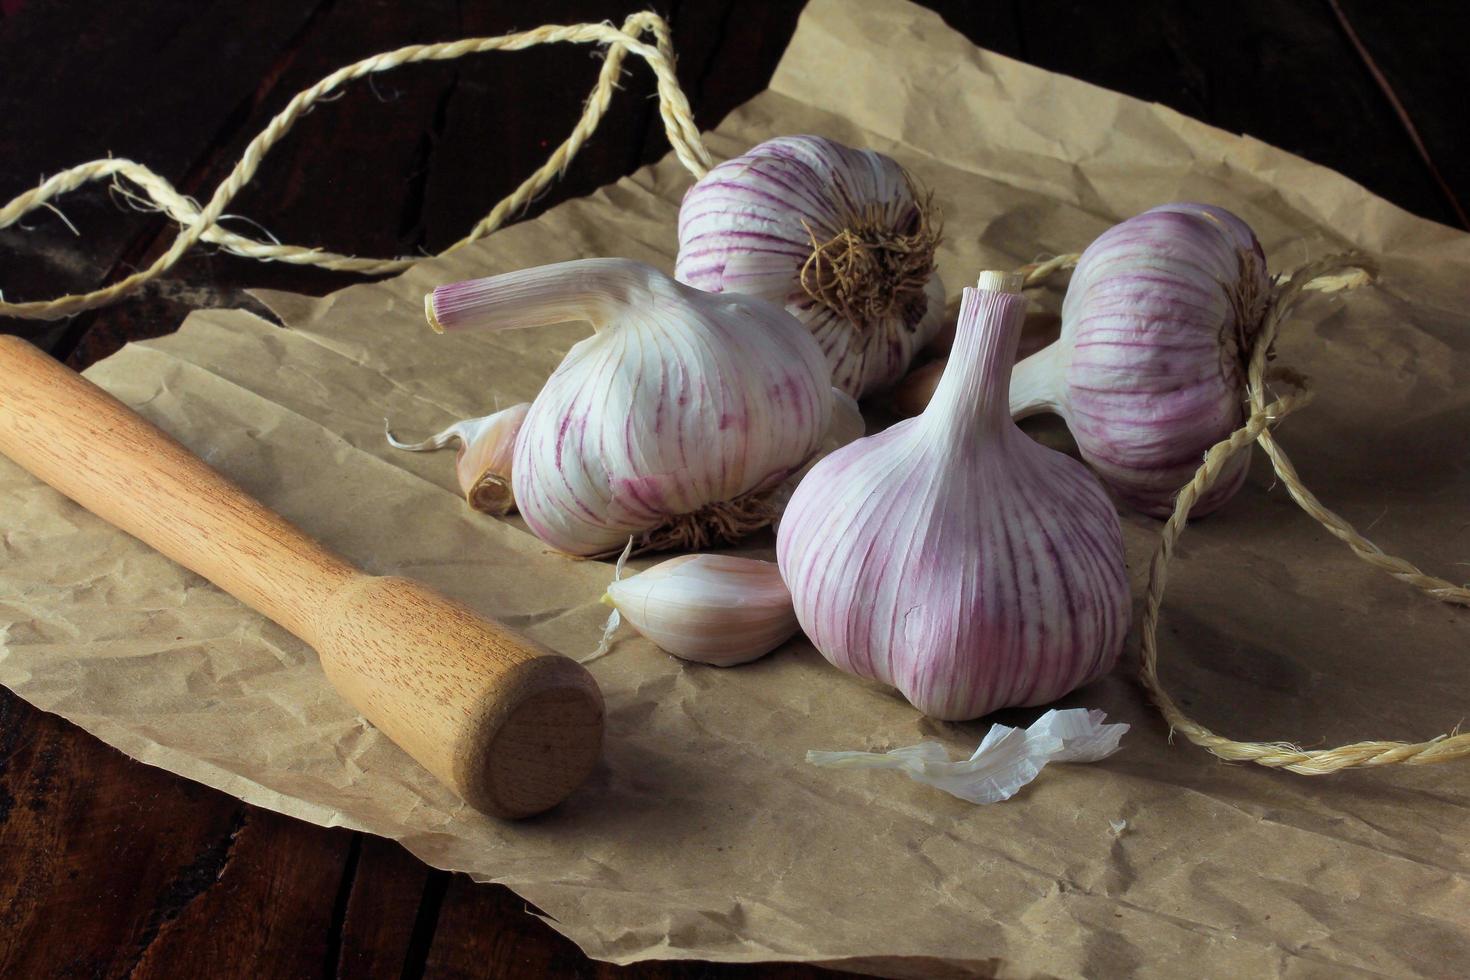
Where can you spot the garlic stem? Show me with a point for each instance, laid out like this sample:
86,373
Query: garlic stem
1033,382
483,464
463,432
973,395
590,290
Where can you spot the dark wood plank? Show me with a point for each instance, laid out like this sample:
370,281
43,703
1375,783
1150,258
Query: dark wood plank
489,932
1407,42
304,193
727,54
129,83
1282,72
100,853
509,110
269,911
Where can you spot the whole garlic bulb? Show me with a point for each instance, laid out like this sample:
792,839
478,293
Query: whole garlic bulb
952,556
838,236
1149,372
670,423
483,463
712,609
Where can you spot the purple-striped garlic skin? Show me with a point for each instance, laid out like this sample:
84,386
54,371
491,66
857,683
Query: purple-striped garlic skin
953,557
681,400
751,224
1148,372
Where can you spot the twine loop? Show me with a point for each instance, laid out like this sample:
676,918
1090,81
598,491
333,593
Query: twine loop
203,223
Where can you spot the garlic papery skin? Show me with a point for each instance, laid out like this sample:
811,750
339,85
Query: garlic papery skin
953,557
838,236
671,423
1149,373
713,609
483,464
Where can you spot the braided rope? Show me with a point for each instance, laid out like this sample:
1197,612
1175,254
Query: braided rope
1337,272
198,224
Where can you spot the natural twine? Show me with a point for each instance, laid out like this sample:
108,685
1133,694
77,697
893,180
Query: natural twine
198,224
1329,274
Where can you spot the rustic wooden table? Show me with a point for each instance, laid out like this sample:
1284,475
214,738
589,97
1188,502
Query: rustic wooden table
111,868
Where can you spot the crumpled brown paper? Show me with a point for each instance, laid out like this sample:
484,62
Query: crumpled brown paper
704,833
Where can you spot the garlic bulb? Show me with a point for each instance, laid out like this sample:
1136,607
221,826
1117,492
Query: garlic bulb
713,609
671,423
483,464
838,236
953,557
1149,372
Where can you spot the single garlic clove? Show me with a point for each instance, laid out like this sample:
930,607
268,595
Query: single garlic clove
712,609
673,423
841,238
486,450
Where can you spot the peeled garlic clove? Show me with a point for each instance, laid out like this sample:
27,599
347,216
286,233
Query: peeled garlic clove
483,464
712,609
672,423
1149,373
839,237
952,556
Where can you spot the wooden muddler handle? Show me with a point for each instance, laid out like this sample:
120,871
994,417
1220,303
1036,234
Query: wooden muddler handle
510,726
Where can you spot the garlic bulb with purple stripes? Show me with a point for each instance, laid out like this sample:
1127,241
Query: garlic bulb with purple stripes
840,237
952,556
1149,372
671,424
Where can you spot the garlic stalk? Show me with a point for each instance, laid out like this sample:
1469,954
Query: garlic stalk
672,423
483,464
911,394
713,609
840,237
953,557
1149,372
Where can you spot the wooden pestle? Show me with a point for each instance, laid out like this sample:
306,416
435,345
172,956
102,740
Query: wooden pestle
509,725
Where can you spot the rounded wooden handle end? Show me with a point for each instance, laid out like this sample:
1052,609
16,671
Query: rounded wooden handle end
539,738
510,726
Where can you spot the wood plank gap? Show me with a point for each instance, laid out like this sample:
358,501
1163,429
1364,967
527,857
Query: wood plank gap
192,881
425,924
413,225
339,907
1403,114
